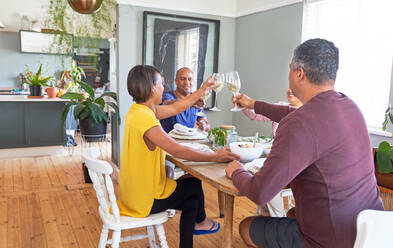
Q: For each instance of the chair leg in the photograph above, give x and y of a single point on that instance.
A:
(151, 236)
(104, 237)
(161, 235)
(116, 238)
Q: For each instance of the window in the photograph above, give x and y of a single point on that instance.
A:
(187, 52)
(363, 32)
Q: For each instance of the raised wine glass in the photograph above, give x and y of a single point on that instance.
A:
(219, 80)
(233, 84)
(204, 97)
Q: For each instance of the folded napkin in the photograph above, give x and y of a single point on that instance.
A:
(254, 165)
(181, 128)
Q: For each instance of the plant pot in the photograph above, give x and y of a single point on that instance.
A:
(383, 179)
(87, 129)
(35, 90)
(51, 92)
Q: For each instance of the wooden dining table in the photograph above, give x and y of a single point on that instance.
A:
(214, 174)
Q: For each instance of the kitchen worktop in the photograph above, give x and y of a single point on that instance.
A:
(21, 98)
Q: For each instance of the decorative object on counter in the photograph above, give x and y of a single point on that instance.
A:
(85, 6)
(218, 136)
(89, 109)
(36, 81)
(73, 77)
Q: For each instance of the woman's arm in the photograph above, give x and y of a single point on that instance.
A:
(255, 117)
(165, 111)
(158, 137)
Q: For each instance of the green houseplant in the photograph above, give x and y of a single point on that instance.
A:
(218, 136)
(87, 29)
(36, 81)
(89, 108)
(385, 153)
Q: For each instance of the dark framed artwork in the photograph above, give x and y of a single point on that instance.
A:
(171, 42)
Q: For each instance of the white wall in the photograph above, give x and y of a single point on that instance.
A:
(246, 7)
(213, 7)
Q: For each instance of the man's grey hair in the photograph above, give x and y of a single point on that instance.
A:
(318, 58)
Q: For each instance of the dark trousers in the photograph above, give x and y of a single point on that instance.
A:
(187, 197)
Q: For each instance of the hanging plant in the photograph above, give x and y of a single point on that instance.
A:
(87, 29)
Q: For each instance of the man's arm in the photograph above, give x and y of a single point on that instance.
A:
(274, 112)
(165, 111)
(293, 150)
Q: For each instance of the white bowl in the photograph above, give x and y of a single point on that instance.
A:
(247, 153)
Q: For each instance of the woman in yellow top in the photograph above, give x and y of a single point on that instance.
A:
(143, 185)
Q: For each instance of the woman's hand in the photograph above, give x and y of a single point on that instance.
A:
(225, 155)
(207, 85)
(243, 101)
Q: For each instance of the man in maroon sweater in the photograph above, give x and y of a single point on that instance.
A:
(322, 150)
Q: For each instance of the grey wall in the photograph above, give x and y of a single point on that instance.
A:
(130, 30)
(264, 46)
(12, 61)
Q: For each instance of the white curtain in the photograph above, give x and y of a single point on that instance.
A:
(363, 32)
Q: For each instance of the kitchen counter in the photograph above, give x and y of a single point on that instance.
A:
(21, 98)
(29, 122)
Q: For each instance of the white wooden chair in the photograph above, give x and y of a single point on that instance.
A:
(374, 229)
(99, 172)
(277, 209)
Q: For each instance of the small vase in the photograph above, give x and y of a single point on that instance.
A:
(35, 90)
(51, 92)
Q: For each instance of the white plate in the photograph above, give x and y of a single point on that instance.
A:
(191, 132)
(197, 146)
(197, 136)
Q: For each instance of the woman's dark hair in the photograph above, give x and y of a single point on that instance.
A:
(140, 82)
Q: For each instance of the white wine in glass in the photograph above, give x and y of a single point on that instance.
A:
(219, 84)
(233, 84)
(204, 97)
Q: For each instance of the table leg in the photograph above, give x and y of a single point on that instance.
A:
(228, 220)
(221, 203)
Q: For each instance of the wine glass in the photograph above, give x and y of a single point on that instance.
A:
(204, 97)
(233, 84)
(219, 84)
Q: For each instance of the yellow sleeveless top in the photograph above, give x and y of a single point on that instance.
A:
(142, 176)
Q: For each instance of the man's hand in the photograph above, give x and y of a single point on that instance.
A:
(243, 101)
(199, 104)
(203, 124)
(225, 155)
(232, 166)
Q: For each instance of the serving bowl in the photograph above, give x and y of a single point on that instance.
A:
(246, 151)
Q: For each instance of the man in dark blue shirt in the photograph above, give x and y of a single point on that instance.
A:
(184, 81)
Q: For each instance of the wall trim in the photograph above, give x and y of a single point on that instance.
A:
(175, 8)
(267, 7)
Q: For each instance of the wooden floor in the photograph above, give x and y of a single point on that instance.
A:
(44, 202)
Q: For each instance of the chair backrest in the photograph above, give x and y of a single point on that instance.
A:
(374, 229)
(99, 172)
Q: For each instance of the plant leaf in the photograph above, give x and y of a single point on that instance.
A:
(113, 95)
(65, 112)
(78, 110)
(84, 114)
(100, 102)
(88, 89)
(114, 106)
(72, 96)
(384, 158)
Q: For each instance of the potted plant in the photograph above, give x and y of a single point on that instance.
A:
(36, 81)
(384, 157)
(218, 136)
(89, 109)
(51, 91)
